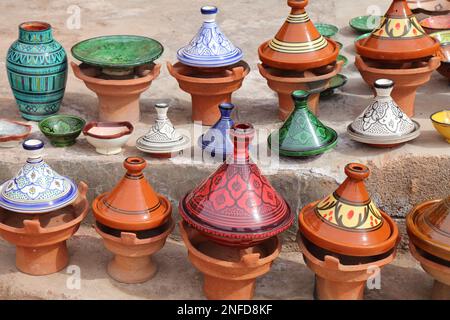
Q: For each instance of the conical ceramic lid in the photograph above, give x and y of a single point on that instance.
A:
(428, 226)
(383, 117)
(398, 37)
(236, 205)
(132, 205)
(347, 221)
(302, 134)
(298, 45)
(36, 188)
(210, 47)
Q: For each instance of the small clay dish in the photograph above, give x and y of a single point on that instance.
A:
(436, 23)
(363, 24)
(441, 122)
(343, 59)
(326, 30)
(337, 81)
(12, 133)
(62, 130)
(108, 137)
(339, 44)
(365, 35)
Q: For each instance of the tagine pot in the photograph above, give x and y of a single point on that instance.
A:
(236, 205)
(36, 66)
(229, 273)
(406, 80)
(285, 82)
(344, 235)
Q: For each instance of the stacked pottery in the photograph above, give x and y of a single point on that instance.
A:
(298, 58)
(210, 69)
(302, 134)
(400, 50)
(383, 123)
(39, 211)
(231, 223)
(163, 140)
(344, 238)
(118, 69)
(37, 71)
(134, 223)
(428, 226)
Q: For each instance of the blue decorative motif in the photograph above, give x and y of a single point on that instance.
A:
(210, 47)
(36, 188)
(37, 71)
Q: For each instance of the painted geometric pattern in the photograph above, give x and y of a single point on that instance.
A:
(35, 37)
(399, 28)
(210, 42)
(36, 48)
(37, 84)
(336, 211)
(36, 59)
(298, 18)
(298, 47)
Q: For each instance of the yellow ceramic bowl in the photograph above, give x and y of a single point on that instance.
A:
(441, 121)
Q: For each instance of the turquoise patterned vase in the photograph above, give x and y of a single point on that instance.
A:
(37, 71)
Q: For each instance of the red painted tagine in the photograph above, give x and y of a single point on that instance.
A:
(210, 69)
(298, 58)
(428, 226)
(344, 236)
(231, 222)
(134, 223)
(400, 50)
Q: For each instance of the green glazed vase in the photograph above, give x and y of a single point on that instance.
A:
(302, 134)
(37, 71)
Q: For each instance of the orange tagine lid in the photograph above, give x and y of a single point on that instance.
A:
(347, 222)
(428, 226)
(298, 45)
(132, 205)
(399, 37)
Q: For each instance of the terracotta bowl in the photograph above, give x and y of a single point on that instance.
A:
(12, 133)
(436, 23)
(441, 122)
(108, 137)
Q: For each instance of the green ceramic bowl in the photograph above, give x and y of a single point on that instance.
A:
(62, 130)
(337, 81)
(342, 58)
(365, 24)
(365, 35)
(340, 45)
(326, 30)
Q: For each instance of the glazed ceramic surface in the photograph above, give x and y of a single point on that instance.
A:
(326, 30)
(236, 205)
(444, 39)
(363, 36)
(302, 134)
(343, 59)
(163, 137)
(216, 141)
(210, 47)
(108, 137)
(365, 24)
(441, 122)
(12, 132)
(336, 82)
(62, 130)
(347, 221)
(36, 67)
(436, 23)
(36, 188)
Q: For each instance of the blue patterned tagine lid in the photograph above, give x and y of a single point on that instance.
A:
(36, 188)
(209, 48)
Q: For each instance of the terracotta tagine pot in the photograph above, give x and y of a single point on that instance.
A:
(298, 45)
(399, 37)
(118, 69)
(383, 123)
(39, 211)
(236, 205)
(229, 273)
(428, 226)
(343, 235)
(302, 134)
(407, 79)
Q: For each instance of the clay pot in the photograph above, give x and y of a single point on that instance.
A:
(208, 89)
(132, 262)
(118, 98)
(406, 80)
(229, 273)
(40, 239)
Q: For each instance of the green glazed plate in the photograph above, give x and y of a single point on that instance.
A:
(342, 58)
(365, 35)
(119, 51)
(337, 81)
(442, 36)
(326, 30)
(365, 23)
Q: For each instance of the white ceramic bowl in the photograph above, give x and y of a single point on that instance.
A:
(108, 137)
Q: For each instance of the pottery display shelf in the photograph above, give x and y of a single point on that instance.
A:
(12, 133)
(134, 223)
(210, 69)
(39, 211)
(118, 69)
(345, 234)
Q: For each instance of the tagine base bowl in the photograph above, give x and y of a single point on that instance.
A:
(208, 89)
(229, 273)
(284, 82)
(163, 152)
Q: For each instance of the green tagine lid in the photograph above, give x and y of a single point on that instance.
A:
(302, 134)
